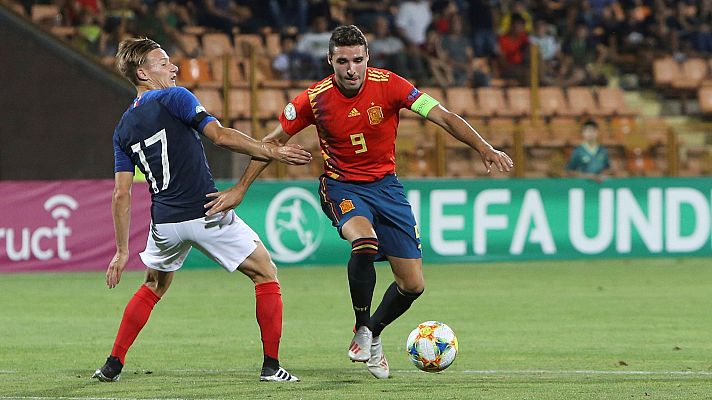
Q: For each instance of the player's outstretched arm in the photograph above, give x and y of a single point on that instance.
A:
(121, 212)
(464, 132)
(232, 197)
(237, 141)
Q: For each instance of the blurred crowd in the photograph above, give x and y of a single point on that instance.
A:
(433, 42)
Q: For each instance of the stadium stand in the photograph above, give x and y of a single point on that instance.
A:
(589, 76)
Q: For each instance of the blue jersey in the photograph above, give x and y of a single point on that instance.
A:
(159, 135)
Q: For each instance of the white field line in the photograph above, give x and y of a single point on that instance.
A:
(494, 372)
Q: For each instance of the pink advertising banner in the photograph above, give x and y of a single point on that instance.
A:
(66, 225)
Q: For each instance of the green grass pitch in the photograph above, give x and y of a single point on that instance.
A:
(600, 329)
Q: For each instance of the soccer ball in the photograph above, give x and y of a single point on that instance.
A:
(432, 346)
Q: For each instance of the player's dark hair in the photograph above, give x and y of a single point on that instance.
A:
(590, 123)
(347, 35)
(132, 54)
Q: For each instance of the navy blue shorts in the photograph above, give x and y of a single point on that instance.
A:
(384, 203)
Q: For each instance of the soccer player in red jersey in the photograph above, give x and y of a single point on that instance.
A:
(355, 111)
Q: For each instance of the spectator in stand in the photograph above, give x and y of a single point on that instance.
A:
(589, 159)
(702, 40)
(386, 50)
(227, 15)
(314, 44)
(545, 38)
(412, 21)
(460, 56)
(289, 13)
(440, 69)
(512, 10)
(365, 12)
(514, 52)
(290, 64)
(481, 20)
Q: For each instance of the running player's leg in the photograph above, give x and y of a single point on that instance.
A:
(362, 281)
(343, 204)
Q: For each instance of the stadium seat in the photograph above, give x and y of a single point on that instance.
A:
(693, 72)
(611, 102)
(211, 99)
(665, 71)
(244, 126)
(273, 44)
(45, 13)
(490, 101)
(193, 70)
(553, 102)
(235, 76)
(239, 104)
(499, 132)
(216, 45)
(270, 103)
(534, 132)
(461, 100)
(246, 41)
(704, 96)
(519, 100)
(582, 102)
(621, 128)
(189, 45)
(565, 131)
(656, 130)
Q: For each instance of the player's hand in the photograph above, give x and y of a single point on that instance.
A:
(224, 200)
(292, 154)
(116, 267)
(497, 158)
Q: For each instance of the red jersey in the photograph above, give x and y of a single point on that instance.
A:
(357, 135)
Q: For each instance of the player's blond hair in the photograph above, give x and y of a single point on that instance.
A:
(132, 54)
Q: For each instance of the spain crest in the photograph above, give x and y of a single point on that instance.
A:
(375, 115)
(346, 205)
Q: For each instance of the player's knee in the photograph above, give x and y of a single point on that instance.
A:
(261, 272)
(414, 288)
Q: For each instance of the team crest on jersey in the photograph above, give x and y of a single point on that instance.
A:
(290, 112)
(346, 205)
(375, 115)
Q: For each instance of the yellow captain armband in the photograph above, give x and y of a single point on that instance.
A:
(424, 104)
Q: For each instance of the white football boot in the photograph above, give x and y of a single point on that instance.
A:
(360, 347)
(377, 364)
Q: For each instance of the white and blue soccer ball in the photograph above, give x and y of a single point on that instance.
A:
(432, 346)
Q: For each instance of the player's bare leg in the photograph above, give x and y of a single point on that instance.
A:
(408, 285)
(134, 319)
(362, 281)
(268, 301)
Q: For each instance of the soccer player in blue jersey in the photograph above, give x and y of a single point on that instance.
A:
(159, 134)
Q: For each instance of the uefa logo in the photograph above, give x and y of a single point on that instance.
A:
(294, 225)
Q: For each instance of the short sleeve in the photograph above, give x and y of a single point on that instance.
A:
(122, 162)
(297, 115)
(403, 92)
(183, 104)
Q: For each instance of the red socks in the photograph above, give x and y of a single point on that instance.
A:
(135, 316)
(268, 299)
